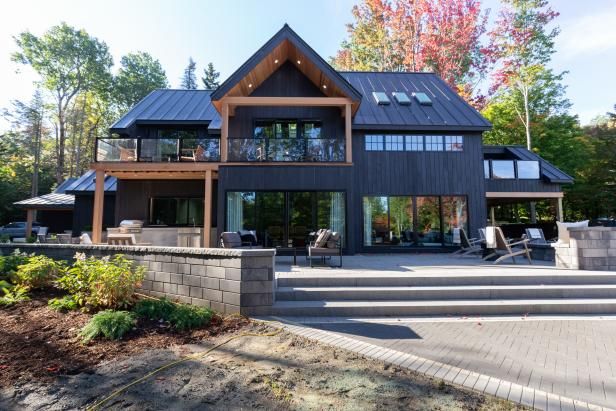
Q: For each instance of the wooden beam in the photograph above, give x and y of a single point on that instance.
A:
(559, 210)
(154, 175)
(198, 167)
(522, 194)
(286, 101)
(348, 133)
(97, 215)
(207, 216)
(29, 221)
(224, 132)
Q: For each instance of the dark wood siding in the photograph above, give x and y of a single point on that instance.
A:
(133, 196)
(82, 215)
(517, 185)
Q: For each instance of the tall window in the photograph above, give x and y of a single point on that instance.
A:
(455, 217)
(434, 143)
(428, 221)
(374, 143)
(454, 143)
(394, 143)
(414, 143)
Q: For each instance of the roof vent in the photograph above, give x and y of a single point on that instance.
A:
(423, 99)
(402, 98)
(381, 98)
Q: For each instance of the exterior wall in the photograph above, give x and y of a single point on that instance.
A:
(133, 196)
(520, 185)
(228, 281)
(82, 214)
(56, 220)
(592, 248)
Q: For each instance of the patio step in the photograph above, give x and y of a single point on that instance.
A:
(472, 292)
(444, 307)
(478, 277)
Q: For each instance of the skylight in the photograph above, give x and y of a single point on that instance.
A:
(381, 98)
(402, 98)
(423, 99)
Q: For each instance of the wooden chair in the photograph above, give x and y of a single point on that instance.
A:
(468, 245)
(509, 249)
(123, 239)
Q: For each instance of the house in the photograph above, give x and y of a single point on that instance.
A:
(287, 145)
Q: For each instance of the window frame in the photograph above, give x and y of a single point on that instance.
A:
(409, 143)
(430, 143)
(376, 140)
(454, 141)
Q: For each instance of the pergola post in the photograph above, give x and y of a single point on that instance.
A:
(559, 209)
(99, 199)
(492, 216)
(207, 216)
(533, 212)
(348, 133)
(29, 221)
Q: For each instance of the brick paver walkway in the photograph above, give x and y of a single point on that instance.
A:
(574, 358)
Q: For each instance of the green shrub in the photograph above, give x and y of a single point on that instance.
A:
(154, 309)
(66, 303)
(13, 295)
(9, 263)
(102, 282)
(38, 272)
(108, 324)
(182, 317)
(5, 238)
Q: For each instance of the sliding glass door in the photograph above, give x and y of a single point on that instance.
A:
(286, 218)
(410, 221)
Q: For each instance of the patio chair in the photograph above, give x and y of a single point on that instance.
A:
(41, 236)
(327, 244)
(468, 245)
(536, 236)
(232, 239)
(508, 249)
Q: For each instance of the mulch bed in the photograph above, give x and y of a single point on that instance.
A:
(39, 343)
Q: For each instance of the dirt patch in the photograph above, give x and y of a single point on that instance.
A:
(38, 343)
(280, 372)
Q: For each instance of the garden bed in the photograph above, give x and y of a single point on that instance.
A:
(40, 343)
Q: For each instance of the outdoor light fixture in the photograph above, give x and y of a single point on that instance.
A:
(299, 62)
(324, 85)
(276, 61)
(250, 85)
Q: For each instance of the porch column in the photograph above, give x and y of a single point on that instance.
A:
(97, 214)
(29, 220)
(492, 216)
(224, 132)
(533, 212)
(559, 209)
(348, 133)
(207, 216)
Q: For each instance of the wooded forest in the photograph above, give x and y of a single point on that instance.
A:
(502, 69)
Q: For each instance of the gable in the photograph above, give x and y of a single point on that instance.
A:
(287, 81)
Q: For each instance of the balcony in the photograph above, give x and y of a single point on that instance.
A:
(286, 150)
(157, 150)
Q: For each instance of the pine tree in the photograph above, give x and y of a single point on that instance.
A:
(189, 80)
(210, 77)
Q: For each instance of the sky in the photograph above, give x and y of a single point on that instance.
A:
(227, 32)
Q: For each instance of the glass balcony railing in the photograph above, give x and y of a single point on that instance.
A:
(158, 149)
(291, 149)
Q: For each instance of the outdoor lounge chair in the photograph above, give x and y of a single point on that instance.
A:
(468, 245)
(508, 249)
(41, 236)
(232, 239)
(327, 244)
(536, 236)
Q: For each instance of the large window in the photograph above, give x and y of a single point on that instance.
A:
(405, 221)
(176, 211)
(528, 169)
(503, 169)
(283, 219)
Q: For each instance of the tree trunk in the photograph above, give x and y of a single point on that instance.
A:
(527, 117)
(61, 144)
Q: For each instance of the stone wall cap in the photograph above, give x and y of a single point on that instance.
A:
(217, 252)
(591, 228)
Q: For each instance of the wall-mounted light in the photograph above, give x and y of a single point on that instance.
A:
(250, 85)
(276, 61)
(324, 85)
(299, 62)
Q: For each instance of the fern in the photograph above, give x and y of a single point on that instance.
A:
(109, 324)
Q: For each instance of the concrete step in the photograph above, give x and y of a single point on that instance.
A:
(423, 279)
(446, 292)
(396, 308)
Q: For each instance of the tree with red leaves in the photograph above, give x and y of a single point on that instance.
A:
(442, 36)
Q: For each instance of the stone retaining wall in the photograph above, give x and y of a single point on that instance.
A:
(228, 281)
(591, 248)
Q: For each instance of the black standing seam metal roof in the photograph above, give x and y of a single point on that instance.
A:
(286, 33)
(86, 184)
(549, 172)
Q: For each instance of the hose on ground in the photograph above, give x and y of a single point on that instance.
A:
(195, 356)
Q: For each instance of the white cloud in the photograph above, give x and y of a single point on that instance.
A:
(591, 34)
